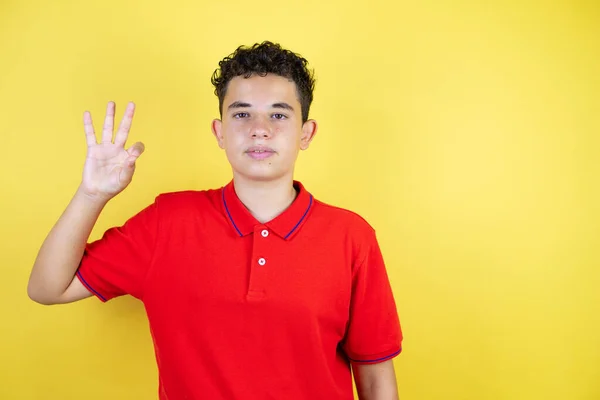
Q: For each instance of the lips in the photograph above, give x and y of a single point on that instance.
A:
(260, 152)
(260, 149)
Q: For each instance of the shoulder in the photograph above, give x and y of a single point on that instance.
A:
(348, 227)
(344, 219)
(187, 196)
(188, 200)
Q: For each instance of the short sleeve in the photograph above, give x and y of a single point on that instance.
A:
(374, 333)
(118, 263)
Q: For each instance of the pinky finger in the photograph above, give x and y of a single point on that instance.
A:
(90, 135)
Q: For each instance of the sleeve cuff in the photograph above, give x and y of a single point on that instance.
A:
(90, 288)
(375, 358)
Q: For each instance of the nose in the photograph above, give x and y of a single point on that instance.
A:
(260, 129)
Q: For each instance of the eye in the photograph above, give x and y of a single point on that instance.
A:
(279, 116)
(240, 115)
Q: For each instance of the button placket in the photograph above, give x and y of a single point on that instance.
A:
(259, 262)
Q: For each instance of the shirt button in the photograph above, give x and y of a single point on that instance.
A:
(262, 261)
(265, 233)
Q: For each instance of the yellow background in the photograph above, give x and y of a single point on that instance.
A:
(467, 133)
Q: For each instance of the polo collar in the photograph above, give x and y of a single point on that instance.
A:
(284, 225)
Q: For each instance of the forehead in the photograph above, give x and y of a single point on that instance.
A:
(261, 90)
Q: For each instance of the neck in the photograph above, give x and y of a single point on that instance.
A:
(265, 199)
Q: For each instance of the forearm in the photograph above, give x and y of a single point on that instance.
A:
(378, 392)
(376, 381)
(62, 250)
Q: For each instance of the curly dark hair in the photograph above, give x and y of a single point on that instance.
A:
(262, 59)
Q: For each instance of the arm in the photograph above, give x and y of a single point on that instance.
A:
(376, 381)
(52, 279)
(374, 336)
(108, 170)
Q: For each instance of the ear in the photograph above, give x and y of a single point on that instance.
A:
(216, 126)
(309, 130)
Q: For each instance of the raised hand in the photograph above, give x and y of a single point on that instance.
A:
(109, 167)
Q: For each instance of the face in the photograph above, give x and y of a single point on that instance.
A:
(261, 129)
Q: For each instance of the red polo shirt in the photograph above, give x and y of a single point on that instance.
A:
(244, 310)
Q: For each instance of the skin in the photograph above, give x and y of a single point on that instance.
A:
(376, 381)
(108, 169)
(263, 112)
(259, 113)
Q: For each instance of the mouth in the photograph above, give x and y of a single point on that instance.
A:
(259, 152)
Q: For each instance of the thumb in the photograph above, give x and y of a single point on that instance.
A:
(136, 150)
(126, 172)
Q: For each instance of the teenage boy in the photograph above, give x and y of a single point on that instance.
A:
(255, 290)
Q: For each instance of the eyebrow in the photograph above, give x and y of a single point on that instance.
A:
(284, 106)
(241, 104)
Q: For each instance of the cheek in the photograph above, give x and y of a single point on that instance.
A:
(235, 146)
(233, 136)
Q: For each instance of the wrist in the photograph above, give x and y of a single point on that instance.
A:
(92, 199)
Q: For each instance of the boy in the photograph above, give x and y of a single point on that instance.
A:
(253, 291)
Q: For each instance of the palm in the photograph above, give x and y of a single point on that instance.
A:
(109, 166)
(103, 167)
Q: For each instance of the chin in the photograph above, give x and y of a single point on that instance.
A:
(259, 174)
(261, 177)
(260, 171)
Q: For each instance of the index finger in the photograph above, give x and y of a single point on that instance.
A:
(125, 125)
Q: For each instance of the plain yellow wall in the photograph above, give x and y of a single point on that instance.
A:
(467, 133)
